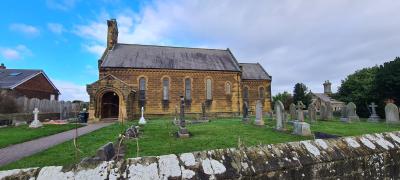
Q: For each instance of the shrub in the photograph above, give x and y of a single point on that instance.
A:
(8, 104)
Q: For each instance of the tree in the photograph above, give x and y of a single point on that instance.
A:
(8, 104)
(359, 88)
(301, 93)
(285, 97)
(387, 83)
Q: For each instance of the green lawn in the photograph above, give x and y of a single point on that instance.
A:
(158, 138)
(19, 134)
(64, 154)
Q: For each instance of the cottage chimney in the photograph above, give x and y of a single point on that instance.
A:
(2, 66)
(112, 33)
(327, 87)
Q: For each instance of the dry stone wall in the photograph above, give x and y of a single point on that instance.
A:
(363, 157)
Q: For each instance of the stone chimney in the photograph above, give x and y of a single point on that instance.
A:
(2, 66)
(112, 33)
(327, 87)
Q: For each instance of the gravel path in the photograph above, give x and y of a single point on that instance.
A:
(18, 151)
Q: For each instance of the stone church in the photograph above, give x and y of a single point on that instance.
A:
(132, 76)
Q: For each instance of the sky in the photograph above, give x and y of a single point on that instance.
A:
(307, 41)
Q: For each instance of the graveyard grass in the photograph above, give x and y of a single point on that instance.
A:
(158, 138)
(20, 134)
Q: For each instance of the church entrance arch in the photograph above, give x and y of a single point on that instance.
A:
(109, 105)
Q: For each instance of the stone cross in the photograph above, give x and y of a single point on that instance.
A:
(259, 114)
(35, 123)
(280, 116)
(142, 120)
(300, 114)
(292, 109)
(373, 117)
(183, 132)
(392, 113)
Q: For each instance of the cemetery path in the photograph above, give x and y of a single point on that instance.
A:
(18, 151)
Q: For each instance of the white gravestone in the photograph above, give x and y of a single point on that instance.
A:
(374, 117)
(280, 116)
(142, 120)
(35, 123)
(392, 113)
(259, 114)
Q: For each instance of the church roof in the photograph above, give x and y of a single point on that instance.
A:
(254, 71)
(167, 57)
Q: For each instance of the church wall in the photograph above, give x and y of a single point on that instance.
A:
(254, 86)
(222, 103)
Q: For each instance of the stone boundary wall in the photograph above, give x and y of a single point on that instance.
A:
(362, 157)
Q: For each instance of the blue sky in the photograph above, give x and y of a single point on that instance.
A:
(295, 40)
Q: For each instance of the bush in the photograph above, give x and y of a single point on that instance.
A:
(8, 104)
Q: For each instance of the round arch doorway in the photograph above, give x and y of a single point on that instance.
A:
(110, 105)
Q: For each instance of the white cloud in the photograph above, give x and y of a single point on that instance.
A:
(56, 28)
(71, 91)
(63, 5)
(25, 29)
(15, 53)
(294, 40)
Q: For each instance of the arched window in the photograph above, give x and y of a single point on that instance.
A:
(228, 88)
(188, 89)
(261, 92)
(142, 89)
(166, 89)
(246, 93)
(208, 89)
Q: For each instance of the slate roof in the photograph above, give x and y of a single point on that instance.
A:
(10, 81)
(324, 97)
(254, 71)
(167, 57)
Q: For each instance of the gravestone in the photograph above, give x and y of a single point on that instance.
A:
(35, 123)
(292, 110)
(391, 113)
(132, 132)
(351, 112)
(329, 111)
(312, 112)
(182, 132)
(322, 112)
(176, 121)
(343, 114)
(301, 128)
(142, 120)
(280, 116)
(300, 113)
(106, 152)
(373, 117)
(259, 114)
(245, 118)
(204, 116)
